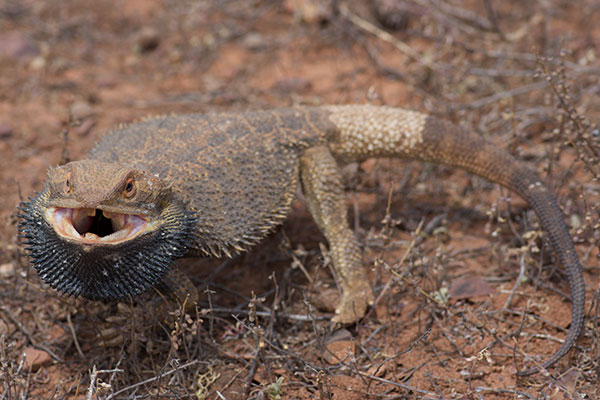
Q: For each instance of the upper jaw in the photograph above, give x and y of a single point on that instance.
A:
(145, 210)
(97, 225)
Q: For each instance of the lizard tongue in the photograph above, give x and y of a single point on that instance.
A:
(82, 219)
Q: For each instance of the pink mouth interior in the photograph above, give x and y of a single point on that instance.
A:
(96, 226)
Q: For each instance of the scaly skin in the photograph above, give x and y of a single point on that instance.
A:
(216, 184)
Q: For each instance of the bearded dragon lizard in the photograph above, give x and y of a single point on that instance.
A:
(110, 226)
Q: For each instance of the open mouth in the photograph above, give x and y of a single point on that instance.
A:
(91, 225)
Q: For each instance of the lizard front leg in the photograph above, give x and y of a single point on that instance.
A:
(171, 298)
(324, 195)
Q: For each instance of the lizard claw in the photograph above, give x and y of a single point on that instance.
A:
(110, 337)
(133, 323)
(353, 305)
(128, 321)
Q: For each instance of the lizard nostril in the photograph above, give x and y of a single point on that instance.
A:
(68, 183)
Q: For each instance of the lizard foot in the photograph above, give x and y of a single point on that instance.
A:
(128, 322)
(353, 305)
(135, 322)
(152, 311)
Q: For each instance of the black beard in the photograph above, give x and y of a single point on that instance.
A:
(104, 272)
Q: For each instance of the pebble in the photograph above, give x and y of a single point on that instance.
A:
(7, 269)
(254, 41)
(81, 110)
(6, 131)
(292, 84)
(18, 46)
(147, 39)
(35, 359)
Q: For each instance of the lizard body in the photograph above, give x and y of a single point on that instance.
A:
(110, 226)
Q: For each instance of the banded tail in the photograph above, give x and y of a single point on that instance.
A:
(369, 131)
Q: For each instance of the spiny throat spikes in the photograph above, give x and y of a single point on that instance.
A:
(86, 248)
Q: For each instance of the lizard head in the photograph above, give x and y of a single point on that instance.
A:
(104, 231)
(93, 202)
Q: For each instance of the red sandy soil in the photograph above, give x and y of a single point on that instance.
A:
(70, 70)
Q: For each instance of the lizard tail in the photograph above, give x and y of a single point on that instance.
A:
(367, 131)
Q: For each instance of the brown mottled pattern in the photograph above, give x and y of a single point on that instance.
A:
(240, 171)
(234, 176)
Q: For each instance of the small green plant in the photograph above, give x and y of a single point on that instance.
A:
(274, 389)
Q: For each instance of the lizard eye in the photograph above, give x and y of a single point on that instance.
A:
(130, 189)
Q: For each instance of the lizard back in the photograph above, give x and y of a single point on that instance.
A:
(238, 172)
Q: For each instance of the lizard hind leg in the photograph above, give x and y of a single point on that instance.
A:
(324, 195)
